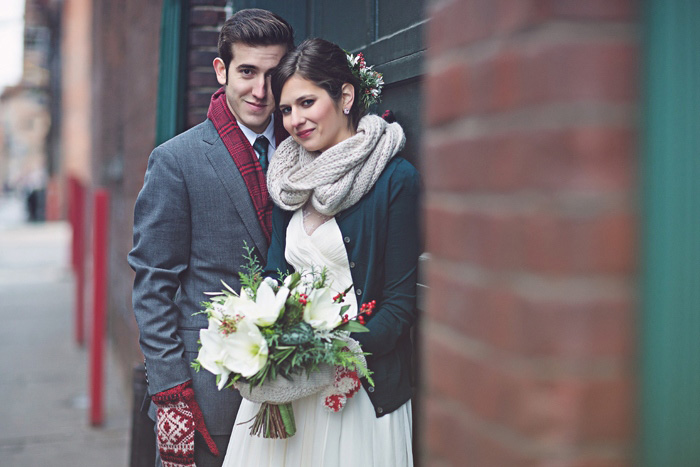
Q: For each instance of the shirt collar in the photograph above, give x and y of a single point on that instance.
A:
(269, 133)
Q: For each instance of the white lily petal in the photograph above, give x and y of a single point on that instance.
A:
(267, 306)
(223, 380)
(211, 354)
(245, 350)
(322, 312)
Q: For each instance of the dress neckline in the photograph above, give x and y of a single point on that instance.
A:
(300, 215)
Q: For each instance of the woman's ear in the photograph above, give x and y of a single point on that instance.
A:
(348, 95)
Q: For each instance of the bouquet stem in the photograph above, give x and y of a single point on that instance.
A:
(274, 421)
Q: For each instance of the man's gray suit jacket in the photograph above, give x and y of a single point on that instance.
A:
(191, 220)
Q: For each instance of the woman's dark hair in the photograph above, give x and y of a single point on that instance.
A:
(324, 64)
(253, 27)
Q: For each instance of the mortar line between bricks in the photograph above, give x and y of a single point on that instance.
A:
(541, 369)
(546, 116)
(207, 8)
(561, 204)
(216, 29)
(528, 447)
(575, 288)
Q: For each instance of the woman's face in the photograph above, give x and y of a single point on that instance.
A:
(314, 120)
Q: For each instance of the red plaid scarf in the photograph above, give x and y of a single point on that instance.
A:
(245, 158)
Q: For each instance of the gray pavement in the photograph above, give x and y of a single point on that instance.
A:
(44, 418)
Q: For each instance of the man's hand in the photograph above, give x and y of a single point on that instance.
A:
(178, 416)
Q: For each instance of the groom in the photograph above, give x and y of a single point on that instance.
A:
(203, 197)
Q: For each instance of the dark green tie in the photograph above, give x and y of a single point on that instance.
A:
(260, 147)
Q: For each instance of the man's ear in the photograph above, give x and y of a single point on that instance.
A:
(348, 95)
(220, 69)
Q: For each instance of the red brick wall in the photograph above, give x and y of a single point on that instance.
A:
(129, 127)
(206, 17)
(124, 90)
(124, 100)
(116, 110)
(530, 162)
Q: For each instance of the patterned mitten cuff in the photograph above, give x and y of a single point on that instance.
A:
(345, 385)
(177, 418)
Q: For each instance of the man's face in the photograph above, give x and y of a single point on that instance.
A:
(248, 91)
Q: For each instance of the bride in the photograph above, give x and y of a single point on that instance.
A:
(346, 201)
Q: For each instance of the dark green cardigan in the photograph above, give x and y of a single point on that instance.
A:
(381, 235)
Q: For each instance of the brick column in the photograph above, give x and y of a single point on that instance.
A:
(206, 17)
(530, 170)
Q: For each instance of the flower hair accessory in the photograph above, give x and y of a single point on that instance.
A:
(371, 82)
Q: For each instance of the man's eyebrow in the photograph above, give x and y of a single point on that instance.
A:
(245, 65)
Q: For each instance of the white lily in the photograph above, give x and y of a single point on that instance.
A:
(212, 353)
(245, 351)
(225, 306)
(322, 312)
(267, 306)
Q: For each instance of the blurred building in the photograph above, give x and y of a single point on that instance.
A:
(28, 112)
(25, 121)
(557, 140)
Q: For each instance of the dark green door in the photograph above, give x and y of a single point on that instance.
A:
(388, 32)
(670, 287)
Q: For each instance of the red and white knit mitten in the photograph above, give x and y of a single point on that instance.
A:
(177, 418)
(345, 385)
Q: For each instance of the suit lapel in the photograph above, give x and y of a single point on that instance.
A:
(231, 179)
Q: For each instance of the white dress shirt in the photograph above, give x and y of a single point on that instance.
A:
(269, 133)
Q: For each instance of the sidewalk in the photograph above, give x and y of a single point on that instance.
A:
(43, 373)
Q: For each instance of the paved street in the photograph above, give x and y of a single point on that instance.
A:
(43, 373)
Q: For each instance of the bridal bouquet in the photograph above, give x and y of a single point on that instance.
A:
(278, 342)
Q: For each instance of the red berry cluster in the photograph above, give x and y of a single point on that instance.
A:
(366, 309)
(362, 60)
(303, 299)
(339, 297)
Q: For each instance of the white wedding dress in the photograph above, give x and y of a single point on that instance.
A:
(353, 437)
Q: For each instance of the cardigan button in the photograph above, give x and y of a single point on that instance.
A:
(358, 292)
(346, 239)
(352, 264)
(380, 410)
(370, 389)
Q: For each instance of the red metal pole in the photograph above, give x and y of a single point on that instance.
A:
(101, 219)
(71, 217)
(78, 255)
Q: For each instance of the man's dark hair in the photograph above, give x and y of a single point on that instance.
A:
(253, 27)
(326, 65)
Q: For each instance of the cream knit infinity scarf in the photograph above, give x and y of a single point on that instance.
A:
(338, 177)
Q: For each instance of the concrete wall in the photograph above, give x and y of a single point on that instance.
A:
(530, 170)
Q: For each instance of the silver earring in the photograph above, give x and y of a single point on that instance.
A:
(346, 111)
